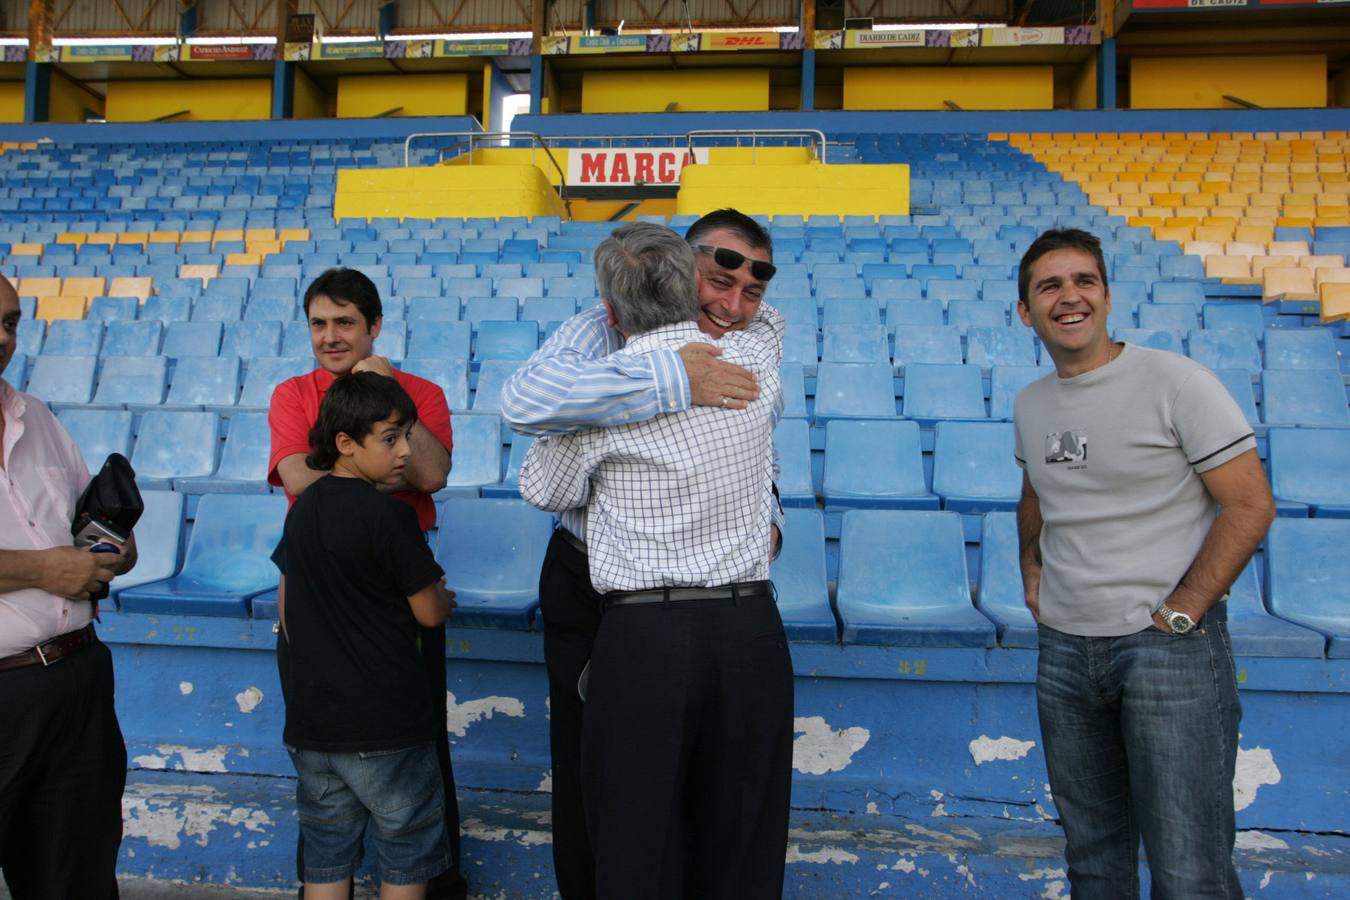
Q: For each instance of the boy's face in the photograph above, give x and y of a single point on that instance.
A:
(381, 456)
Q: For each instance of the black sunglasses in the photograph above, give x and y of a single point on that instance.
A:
(731, 261)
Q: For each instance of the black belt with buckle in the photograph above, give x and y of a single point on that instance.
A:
(572, 540)
(737, 591)
(48, 652)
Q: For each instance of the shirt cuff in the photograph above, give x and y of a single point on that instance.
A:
(671, 381)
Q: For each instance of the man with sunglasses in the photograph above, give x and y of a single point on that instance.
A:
(572, 383)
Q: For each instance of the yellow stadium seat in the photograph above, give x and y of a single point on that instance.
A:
(100, 239)
(164, 237)
(1136, 198)
(1265, 198)
(1167, 201)
(131, 286)
(1294, 221)
(1296, 249)
(204, 272)
(1288, 283)
(1341, 220)
(1229, 268)
(262, 248)
(1185, 219)
(39, 287)
(1322, 261)
(82, 287)
(1204, 246)
(227, 234)
(1179, 233)
(1267, 214)
(195, 237)
(1335, 300)
(259, 234)
(70, 238)
(1261, 263)
(25, 249)
(1201, 200)
(133, 237)
(1254, 234)
(49, 308)
(243, 259)
(1331, 275)
(1244, 248)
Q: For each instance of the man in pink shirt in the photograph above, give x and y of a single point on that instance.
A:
(62, 760)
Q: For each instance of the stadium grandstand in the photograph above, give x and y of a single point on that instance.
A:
(174, 174)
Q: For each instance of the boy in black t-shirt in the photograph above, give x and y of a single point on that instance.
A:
(357, 578)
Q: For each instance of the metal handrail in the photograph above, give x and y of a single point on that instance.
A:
(754, 134)
(473, 139)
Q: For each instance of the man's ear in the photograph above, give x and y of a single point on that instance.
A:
(376, 326)
(346, 446)
(1024, 313)
(610, 317)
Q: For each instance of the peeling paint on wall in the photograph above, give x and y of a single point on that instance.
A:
(459, 716)
(546, 783)
(168, 817)
(821, 749)
(477, 830)
(247, 700)
(986, 749)
(1255, 768)
(189, 758)
(835, 855)
(185, 688)
(1258, 840)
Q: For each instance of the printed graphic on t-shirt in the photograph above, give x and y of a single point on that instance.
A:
(1066, 447)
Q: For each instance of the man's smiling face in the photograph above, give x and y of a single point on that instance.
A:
(728, 298)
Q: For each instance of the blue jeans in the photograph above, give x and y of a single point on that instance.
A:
(1140, 737)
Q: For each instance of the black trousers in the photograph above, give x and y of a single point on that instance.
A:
(450, 884)
(571, 610)
(687, 750)
(63, 766)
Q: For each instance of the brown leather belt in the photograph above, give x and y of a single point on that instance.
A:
(46, 653)
(741, 590)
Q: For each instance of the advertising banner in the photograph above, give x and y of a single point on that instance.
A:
(608, 167)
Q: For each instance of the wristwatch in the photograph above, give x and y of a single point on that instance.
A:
(1179, 622)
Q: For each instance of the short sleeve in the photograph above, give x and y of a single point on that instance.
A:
(1208, 422)
(288, 425)
(402, 544)
(432, 410)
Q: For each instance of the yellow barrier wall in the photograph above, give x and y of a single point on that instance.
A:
(515, 156)
(1085, 86)
(759, 156)
(68, 101)
(362, 96)
(705, 90)
(11, 101)
(206, 100)
(970, 87)
(1201, 82)
(310, 100)
(445, 191)
(813, 189)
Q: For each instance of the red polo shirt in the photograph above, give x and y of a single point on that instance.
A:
(295, 409)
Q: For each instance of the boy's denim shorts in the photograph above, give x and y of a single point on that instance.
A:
(399, 791)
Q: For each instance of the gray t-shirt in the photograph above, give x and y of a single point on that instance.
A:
(1114, 455)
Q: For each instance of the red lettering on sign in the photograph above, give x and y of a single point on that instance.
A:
(620, 171)
(666, 168)
(644, 168)
(592, 167)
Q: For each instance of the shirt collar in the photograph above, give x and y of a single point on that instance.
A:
(12, 402)
(677, 334)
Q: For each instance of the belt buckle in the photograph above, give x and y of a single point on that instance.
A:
(42, 656)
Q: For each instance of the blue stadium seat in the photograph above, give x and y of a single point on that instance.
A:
(295, 339)
(218, 308)
(192, 339)
(1179, 317)
(939, 344)
(1308, 470)
(792, 441)
(228, 560)
(491, 550)
(794, 390)
(849, 312)
(1306, 397)
(265, 373)
(581, 287)
(450, 373)
(112, 309)
(1166, 292)
(133, 338)
(1255, 632)
(973, 467)
(1178, 268)
(1004, 385)
(967, 314)
(1245, 317)
(478, 454)
(506, 340)
(520, 288)
(1308, 577)
(885, 290)
(172, 445)
(915, 312)
(544, 310)
(440, 309)
(1155, 339)
(1001, 597)
(490, 309)
(875, 465)
(943, 392)
(492, 374)
(509, 486)
(32, 333)
(271, 309)
(434, 337)
(392, 340)
(132, 381)
(920, 597)
(1301, 348)
(1003, 345)
(799, 579)
(1225, 349)
(945, 290)
(855, 344)
(166, 308)
(1239, 385)
(158, 537)
(799, 346)
(243, 461)
(251, 339)
(73, 337)
(63, 379)
(204, 381)
(854, 390)
(98, 432)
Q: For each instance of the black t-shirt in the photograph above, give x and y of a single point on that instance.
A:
(353, 674)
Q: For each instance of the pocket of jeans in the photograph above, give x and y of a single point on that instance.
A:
(376, 754)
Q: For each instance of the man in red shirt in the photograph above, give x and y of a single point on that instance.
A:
(344, 313)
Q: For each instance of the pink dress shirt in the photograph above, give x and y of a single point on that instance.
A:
(42, 478)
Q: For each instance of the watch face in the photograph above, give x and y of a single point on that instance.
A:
(1181, 623)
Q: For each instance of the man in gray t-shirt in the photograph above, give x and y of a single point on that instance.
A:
(1142, 500)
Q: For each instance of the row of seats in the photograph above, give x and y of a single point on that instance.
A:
(491, 550)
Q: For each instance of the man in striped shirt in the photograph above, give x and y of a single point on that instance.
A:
(687, 731)
(576, 380)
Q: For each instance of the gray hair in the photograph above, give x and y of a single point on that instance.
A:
(646, 272)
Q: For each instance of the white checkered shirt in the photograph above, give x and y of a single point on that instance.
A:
(681, 500)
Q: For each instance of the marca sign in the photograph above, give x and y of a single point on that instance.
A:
(605, 167)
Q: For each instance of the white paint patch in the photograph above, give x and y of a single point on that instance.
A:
(1265, 879)
(193, 760)
(248, 699)
(872, 809)
(546, 783)
(964, 871)
(475, 828)
(1255, 768)
(185, 688)
(884, 886)
(1258, 840)
(986, 749)
(1041, 874)
(167, 817)
(1054, 890)
(149, 761)
(904, 865)
(459, 716)
(836, 855)
(820, 749)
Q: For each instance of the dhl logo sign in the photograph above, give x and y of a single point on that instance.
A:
(740, 40)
